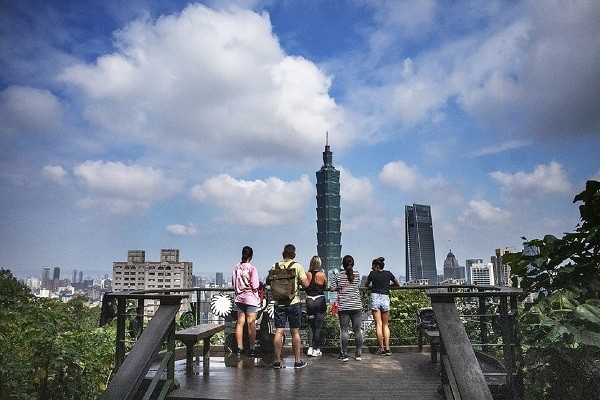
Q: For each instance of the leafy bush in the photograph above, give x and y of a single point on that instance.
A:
(50, 350)
(403, 314)
(561, 329)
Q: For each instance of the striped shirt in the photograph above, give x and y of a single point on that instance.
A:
(348, 294)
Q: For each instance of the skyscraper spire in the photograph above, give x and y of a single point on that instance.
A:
(327, 155)
(329, 235)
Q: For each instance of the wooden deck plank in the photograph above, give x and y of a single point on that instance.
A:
(409, 376)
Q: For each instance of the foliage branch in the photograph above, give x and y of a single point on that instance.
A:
(560, 278)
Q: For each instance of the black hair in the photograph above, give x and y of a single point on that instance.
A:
(348, 265)
(247, 254)
(379, 262)
(289, 251)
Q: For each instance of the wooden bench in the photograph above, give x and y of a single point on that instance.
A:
(434, 342)
(190, 337)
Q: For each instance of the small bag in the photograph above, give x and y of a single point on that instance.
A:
(334, 308)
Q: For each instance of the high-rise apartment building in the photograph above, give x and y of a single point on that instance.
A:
(420, 248)
(329, 235)
(46, 280)
(468, 264)
(482, 274)
(219, 280)
(501, 271)
(138, 274)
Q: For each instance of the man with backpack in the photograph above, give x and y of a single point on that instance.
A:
(284, 278)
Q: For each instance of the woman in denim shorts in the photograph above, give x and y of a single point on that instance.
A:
(380, 280)
(245, 283)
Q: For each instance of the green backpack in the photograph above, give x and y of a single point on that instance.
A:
(283, 283)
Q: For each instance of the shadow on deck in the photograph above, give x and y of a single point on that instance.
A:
(406, 375)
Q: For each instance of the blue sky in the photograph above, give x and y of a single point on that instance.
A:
(199, 126)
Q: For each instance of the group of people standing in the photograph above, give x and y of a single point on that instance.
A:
(345, 284)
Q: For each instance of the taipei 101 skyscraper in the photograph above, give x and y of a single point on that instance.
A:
(329, 235)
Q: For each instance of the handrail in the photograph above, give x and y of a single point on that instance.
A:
(462, 376)
(461, 370)
(132, 370)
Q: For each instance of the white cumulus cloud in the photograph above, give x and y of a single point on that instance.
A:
(26, 110)
(56, 174)
(545, 179)
(211, 82)
(183, 230)
(122, 188)
(256, 203)
(398, 175)
(485, 212)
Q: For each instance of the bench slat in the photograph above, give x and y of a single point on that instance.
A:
(190, 336)
(198, 331)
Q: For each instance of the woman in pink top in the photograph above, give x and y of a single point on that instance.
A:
(245, 283)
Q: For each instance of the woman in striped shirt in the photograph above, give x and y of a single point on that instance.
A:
(350, 307)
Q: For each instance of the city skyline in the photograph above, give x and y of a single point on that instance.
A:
(198, 126)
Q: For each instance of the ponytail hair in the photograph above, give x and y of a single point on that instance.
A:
(348, 265)
(247, 254)
(379, 262)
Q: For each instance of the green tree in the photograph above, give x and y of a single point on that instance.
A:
(403, 314)
(50, 349)
(561, 328)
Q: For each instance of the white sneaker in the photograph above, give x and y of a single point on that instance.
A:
(317, 353)
(310, 352)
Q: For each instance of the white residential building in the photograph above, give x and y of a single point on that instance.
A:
(482, 274)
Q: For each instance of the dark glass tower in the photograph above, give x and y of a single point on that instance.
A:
(420, 250)
(329, 236)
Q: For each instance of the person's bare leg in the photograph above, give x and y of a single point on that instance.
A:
(251, 323)
(296, 342)
(239, 329)
(278, 343)
(385, 316)
(378, 328)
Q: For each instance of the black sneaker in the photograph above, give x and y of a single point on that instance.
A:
(276, 364)
(343, 357)
(238, 352)
(300, 364)
(379, 352)
(388, 352)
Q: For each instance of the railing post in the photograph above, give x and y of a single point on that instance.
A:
(120, 337)
(507, 342)
(171, 349)
(483, 332)
(518, 389)
(139, 311)
(198, 311)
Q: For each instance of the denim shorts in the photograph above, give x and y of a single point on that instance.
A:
(380, 302)
(246, 309)
(291, 314)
